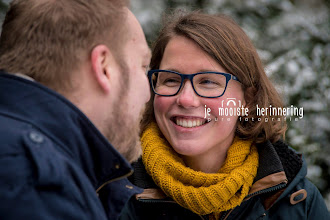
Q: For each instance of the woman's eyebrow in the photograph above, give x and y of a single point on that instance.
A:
(199, 71)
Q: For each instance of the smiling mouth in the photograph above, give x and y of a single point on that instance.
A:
(188, 122)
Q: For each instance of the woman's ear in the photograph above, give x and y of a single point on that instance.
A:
(102, 59)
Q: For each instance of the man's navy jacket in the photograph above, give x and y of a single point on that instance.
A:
(53, 159)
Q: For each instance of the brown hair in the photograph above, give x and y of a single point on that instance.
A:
(227, 43)
(48, 39)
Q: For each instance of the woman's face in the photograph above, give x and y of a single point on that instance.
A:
(174, 114)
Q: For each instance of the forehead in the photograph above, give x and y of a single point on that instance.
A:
(182, 45)
(186, 56)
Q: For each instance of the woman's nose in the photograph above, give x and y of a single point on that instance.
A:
(187, 97)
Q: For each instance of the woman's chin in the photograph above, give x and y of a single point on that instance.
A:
(188, 150)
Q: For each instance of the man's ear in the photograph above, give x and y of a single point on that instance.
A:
(101, 59)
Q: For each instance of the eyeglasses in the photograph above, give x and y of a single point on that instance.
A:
(205, 84)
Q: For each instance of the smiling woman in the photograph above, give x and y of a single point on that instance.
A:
(225, 166)
(199, 144)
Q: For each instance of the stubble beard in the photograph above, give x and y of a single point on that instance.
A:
(124, 132)
(121, 130)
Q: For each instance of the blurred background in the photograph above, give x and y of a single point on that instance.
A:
(293, 40)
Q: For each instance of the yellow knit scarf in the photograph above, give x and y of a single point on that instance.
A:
(202, 193)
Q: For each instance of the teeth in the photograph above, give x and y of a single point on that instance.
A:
(189, 123)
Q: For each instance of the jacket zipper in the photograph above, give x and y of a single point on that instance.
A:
(162, 201)
(156, 201)
(226, 214)
(274, 188)
(115, 179)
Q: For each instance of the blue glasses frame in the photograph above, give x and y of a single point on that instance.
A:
(190, 77)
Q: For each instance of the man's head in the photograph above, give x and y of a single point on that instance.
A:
(92, 52)
(48, 40)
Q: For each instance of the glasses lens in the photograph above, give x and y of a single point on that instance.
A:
(165, 83)
(210, 84)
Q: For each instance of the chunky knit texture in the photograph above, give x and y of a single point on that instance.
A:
(202, 193)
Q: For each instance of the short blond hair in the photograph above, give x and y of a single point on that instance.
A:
(48, 39)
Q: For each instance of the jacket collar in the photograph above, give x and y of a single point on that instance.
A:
(270, 171)
(65, 124)
(299, 176)
(278, 166)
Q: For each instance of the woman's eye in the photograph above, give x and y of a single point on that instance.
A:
(171, 81)
(207, 81)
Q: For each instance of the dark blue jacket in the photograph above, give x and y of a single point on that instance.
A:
(280, 191)
(53, 159)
